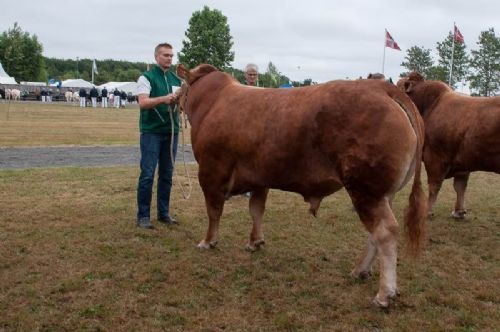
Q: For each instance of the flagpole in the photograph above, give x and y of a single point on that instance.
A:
(452, 54)
(383, 59)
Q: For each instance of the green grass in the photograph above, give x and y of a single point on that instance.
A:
(71, 258)
(37, 124)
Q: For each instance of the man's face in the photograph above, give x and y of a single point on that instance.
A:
(251, 77)
(164, 57)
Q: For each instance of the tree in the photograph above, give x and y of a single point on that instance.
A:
(208, 40)
(485, 64)
(460, 59)
(418, 59)
(272, 77)
(438, 73)
(21, 55)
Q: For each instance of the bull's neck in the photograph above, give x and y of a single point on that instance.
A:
(427, 94)
(202, 95)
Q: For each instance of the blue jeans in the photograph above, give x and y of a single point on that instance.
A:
(155, 149)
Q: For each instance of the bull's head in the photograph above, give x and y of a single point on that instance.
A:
(189, 77)
(376, 76)
(408, 83)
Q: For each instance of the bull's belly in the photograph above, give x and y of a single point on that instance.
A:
(308, 184)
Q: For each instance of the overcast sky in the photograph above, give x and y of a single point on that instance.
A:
(322, 40)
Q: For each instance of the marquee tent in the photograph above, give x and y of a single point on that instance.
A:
(5, 78)
(125, 86)
(76, 83)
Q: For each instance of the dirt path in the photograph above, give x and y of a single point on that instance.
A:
(80, 156)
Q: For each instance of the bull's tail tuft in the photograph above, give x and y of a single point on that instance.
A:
(416, 216)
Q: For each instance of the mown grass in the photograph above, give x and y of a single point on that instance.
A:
(37, 124)
(71, 258)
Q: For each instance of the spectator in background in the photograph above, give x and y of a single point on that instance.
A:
(93, 96)
(104, 97)
(83, 97)
(43, 94)
(116, 95)
(49, 95)
(123, 98)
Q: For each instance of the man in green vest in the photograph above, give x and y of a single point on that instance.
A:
(159, 127)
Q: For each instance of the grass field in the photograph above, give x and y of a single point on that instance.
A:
(71, 258)
(37, 124)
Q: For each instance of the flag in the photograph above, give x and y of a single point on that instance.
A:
(94, 68)
(389, 41)
(459, 38)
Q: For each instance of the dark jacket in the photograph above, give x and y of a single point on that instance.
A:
(93, 93)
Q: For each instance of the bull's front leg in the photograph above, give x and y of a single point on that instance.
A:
(460, 185)
(214, 202)
(257, 206)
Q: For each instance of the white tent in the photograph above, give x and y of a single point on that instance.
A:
(76, 83)
(5, 78)
(125, 86)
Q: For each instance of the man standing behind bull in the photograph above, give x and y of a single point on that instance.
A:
(251, 78)
(156, 127)
(251, 74)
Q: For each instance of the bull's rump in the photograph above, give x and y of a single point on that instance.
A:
(465, 132)
(310, 140)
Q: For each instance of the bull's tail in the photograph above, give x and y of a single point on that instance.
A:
(416, 212)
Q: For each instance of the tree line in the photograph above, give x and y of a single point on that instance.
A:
(480, 67)
(208, 40)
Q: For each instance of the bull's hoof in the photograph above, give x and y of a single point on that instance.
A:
(252, 247)
(363, 275)
(207, 245)
(379, 303)
(384, 301)
(458, 214)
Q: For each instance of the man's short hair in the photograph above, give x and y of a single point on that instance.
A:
(251, 67)
(167, 45)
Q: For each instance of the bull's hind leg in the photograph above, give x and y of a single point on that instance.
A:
(363, 268)
(378, 218)
(257, 206)
(460, 184)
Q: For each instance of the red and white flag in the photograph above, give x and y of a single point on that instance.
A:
(389, 41)
(459, 38)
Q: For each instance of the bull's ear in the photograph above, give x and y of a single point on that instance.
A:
(182, 72)
(408, 86)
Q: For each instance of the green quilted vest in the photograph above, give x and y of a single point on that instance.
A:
(157, 120)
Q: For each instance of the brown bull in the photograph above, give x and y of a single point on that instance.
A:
(362, 135)
(462, 135)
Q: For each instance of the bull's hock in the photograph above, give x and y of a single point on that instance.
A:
(78, 156)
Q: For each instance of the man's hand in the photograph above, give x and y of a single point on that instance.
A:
(169, 99)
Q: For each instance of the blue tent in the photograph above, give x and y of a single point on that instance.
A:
(286, 86)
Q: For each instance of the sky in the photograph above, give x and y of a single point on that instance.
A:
(321, 40)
